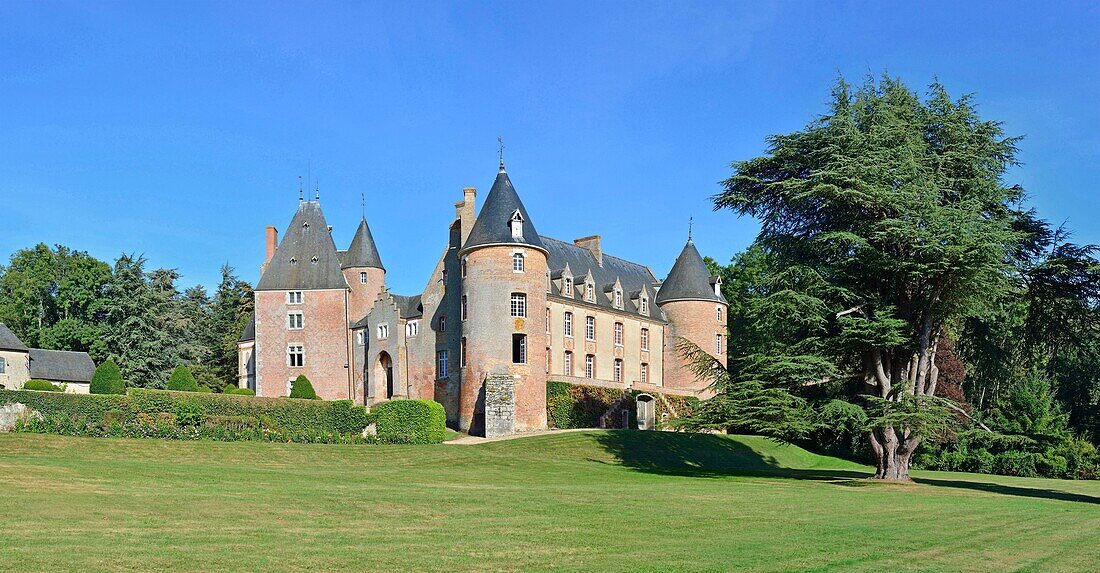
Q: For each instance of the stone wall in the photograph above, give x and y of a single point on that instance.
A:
(500, 406)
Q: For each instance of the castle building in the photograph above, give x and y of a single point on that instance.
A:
(502, 300)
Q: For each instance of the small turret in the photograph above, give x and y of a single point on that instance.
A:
(362, 267)
(696, 311)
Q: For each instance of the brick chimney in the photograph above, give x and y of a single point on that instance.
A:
(271, 240)
(592, 243)
(465, 211)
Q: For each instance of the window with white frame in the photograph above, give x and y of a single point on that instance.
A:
(718, 311)
(589, 366)
(645, 339)
(718, 344)
(589, 291)
(517, 262)
(519, 349)
(443, 323)
(618, 334)
(645, 305)
(462, 267)
(383, 331)
(441, 364)
(567, 290)
(295, 355)
(590, 328)
(547, 281)
(412, 328)
(462, 309)
(618, 370)
(294, 297)
(360, 337)
(567, 325)
(548, 360)
(618, 299)
(567, 364)
(294, 320)
(3, 365)
(519, 305)
(362, 278)
(548, 321)
(643, 373)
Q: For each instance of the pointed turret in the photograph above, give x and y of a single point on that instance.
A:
(306, 258)
(362, 253)
(503, 220)
(689, 279)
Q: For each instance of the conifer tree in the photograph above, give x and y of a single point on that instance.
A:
(107, 379)
(182, 380)
(301, 388)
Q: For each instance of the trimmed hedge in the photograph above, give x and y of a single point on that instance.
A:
(301, 388)
(165, 427)
(182, 380)
(410, 421)
(107, 379)
(88, 406)
(239, 391)
(41, 386)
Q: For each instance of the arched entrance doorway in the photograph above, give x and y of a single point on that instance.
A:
(646, 412)
(383, 374)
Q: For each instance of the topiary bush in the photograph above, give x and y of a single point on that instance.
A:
(301, 388)
(41, 386)
(107, 379)
(239, 391)
(410, 421)
(182, 380)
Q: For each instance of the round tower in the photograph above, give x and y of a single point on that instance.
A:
(503, 298)
(696, 310)
(362, 267)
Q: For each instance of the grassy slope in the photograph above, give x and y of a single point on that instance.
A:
(572, 501)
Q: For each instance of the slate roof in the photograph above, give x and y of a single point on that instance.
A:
(633, 277)
(407, 307)
(306, 258)
(61, 365)
(689, 279)
(362, 252)
(249, 329)
(9, 341)
(493, 227)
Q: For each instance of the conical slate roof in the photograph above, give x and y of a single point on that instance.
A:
(306, 258)
(362, 252)
(9, 341)
(689, 279)
(493, 224)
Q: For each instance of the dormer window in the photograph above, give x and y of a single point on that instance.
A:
(618, 299)
(644, 305)
(589, 291)
(293, 260)
(313, 260)
(517, 262)
(567, 290)
(718, 286)
(305, 225)
(516, 223)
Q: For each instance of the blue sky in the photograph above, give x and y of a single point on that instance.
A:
(179, 130)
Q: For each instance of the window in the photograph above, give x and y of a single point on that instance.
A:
(643, 374)
(519, 305)
(568, 290)
(383, 331)
(645, 306)
(412, 328)
(517, 262)
(618, 370)
(441, 364)
(547, 281)
(568, 325)
(462, 355)
(567, 364)
(718, 309)
(462, 267)
(443, 323)
(517, 225)
(589, 366)
(295, 356)
(362, 278)
(618, 299)
(3, 365)
(547, 321)
(360, 337)
(590, 328)
(462, 310)
(589, 292)
(294, 320)
(548, 360)
(718, 344)
(618, 334)
(294, 297)
(443, 277)
(519, 349)
(645, 339)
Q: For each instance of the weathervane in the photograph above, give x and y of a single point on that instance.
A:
(690, 223)
(300, 196)
(363, 204)
(500, 141)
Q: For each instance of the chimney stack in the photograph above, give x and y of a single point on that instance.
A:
(271, 241)
(465, 211)
(592, 243)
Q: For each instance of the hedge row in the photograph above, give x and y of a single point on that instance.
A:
(410, 421)
(165, 427)
(979, 451)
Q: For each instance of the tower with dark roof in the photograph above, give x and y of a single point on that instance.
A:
(692, 300)
(363, 270)
(504, 272)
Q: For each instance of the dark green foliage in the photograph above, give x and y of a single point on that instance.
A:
(411, 421)
(182, 380)
(114, 416)
(239, 391)
(107, 379)
(41, 385)
(984, 452)
(347, 417)
(222, 429)
(89, 406)
(577, 406)
(189, 413)
(301, 388)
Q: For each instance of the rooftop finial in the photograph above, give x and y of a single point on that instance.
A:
(500, 141)
(317, 191)
(363, 204)
(690, 223)
(300, 196)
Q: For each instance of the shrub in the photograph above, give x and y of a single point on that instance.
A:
(577, 406)
(41, 386)
(411, 421)
(89, 406)
(182, 380)
(238, 391)
(346, 417)
(190, 413)
(301, 388)
(114, 416)
(107, 379)
(1015, 464)
(290, 415)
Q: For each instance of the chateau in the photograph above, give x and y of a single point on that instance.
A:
(501, 300)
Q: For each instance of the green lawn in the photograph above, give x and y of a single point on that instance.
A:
(607, 501)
